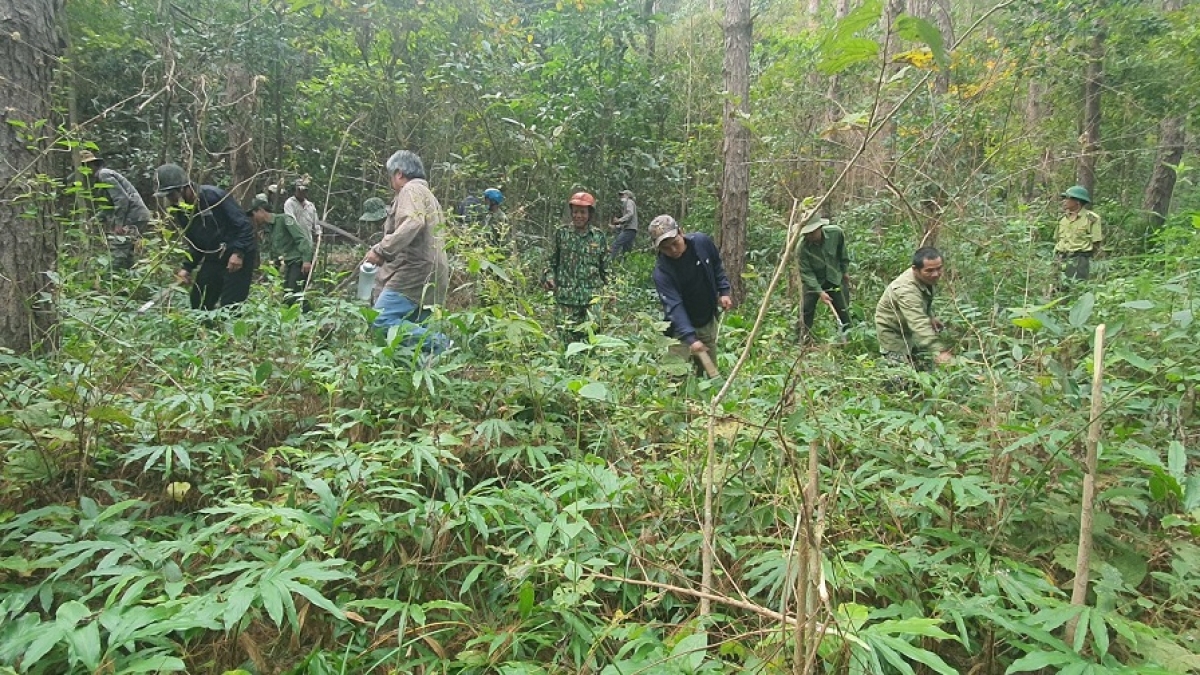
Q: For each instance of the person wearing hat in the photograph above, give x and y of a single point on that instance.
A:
(904, 322)
(577, 269)
(286, 239)
(374, 214)
(625, 225)
(495, 222)
(691, 285)
(824, 267)
(125, 215)
(413, 271)
(299, 207)
(1078, 237)
(218, 237)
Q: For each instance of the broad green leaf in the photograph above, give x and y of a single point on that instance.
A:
(1099, 633)
(597, 391)
(1028, 323)
(920, 655)
(263, 371)
(157, 664)
(847, 52)
(692, 649)
(1138, 304)
(1177, 461)
(921, 627)
(919, 30)
(1039, 660)
(1081, 311)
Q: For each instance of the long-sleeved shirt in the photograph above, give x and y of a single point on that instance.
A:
(904, 318)
(128, 209)
(216, 226)
(1079, 234)
(305, 213)
(712, 282)
(289, 240)
(578, 265)
(415, 263)
(825, 263)
(628, 219)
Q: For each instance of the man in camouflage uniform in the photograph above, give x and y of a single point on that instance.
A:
(904, 321)
(124, 216)
(286, 239)
(1078, 237)
(577, 266)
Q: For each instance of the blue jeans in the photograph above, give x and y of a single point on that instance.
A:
(395, 309)
(622, 244)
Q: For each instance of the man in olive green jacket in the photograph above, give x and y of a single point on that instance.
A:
(824, 274)
(1078, 236)
(904, 321)
(286, 239)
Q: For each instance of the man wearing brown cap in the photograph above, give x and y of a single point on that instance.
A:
(691, 284)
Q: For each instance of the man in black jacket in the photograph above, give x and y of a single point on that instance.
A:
(217, 235)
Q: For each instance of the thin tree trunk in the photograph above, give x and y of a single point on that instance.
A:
(1035, 112)
(813, 13)
(1162, 181)
(1092, 85)
(944, 20)
(648, 10)
(1087, 509)
(735, 182)
(30, 47)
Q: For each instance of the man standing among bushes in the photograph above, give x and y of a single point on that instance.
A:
(218, 236)
(304, 211)
(904, 321)
(124, 216)
(1077, 238)
(626, 226)
(289, 241)
(692, 286)
(824, 267)
(414, 273)
(577, 269)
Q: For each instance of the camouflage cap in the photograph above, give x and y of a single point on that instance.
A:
(373, 209)
(168, 178)
(87, 157)
(662, 228)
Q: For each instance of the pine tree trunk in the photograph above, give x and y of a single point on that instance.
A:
(735, 182)
(1092, 85)
(1162, 182)
(30, 45)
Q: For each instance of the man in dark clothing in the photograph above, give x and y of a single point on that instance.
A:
(218, 237)
(691, 284)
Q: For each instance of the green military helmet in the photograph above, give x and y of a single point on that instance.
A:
(168, 178)
(1078, 192)
(259, 202)
(814, 225)
(373, 209)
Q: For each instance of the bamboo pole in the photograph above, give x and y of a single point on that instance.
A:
(1084, 556)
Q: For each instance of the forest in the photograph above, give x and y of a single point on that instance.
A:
(274, 487)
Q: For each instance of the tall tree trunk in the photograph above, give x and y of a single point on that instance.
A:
(813, 12)
(735, 182)
(240, 95)
(1092, 84)
(1035, 112)
(1162, 182)
(648, 10)
(944, 20)
(30, 46)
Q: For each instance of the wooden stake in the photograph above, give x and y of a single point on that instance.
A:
(1084, 556)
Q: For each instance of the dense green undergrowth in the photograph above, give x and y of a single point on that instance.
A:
(277, 492)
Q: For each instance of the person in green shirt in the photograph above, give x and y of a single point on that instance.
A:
(577, 269)
(824, 274)
(904, 321)
(1078, 237)
(286, 240)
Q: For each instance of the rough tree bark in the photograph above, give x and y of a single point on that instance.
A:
(1171, 136)
(240, 97)
(30, 46)
(1090, 133)
(735, 181)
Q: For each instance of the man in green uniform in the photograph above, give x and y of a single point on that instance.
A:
(577, 266)
(288, 240)
(824, 267)
(904, 321)
(1077, 237)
